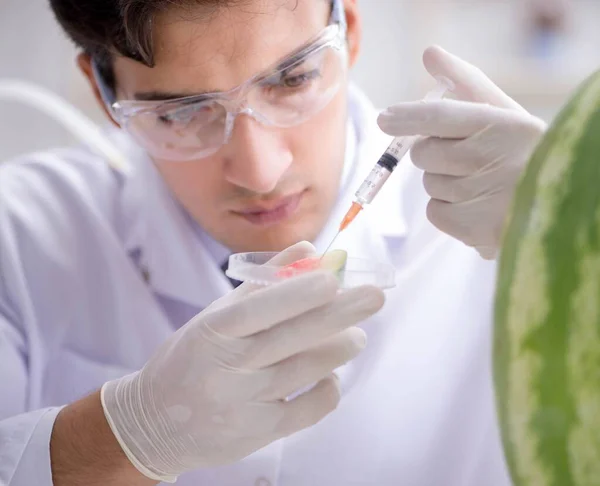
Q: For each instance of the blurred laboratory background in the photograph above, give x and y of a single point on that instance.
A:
(538, 51)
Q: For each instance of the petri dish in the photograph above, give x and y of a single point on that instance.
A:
(255, 267)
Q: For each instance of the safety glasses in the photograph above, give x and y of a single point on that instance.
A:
(289, 93)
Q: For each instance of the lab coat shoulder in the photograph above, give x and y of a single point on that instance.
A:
(50, 187)
(55, 206)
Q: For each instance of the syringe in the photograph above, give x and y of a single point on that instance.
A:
(387, 163)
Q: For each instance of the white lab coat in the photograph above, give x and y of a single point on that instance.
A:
(97, 268)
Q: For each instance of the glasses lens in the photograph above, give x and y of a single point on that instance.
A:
(178, 131)
(297, 93)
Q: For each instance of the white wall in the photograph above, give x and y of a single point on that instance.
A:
(486, 32)
(33, 48)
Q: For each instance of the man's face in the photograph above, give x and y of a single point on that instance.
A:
(268, 187)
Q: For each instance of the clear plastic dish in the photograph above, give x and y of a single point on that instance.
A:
(255, 267)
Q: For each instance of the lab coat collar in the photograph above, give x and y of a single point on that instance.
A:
(179, 264)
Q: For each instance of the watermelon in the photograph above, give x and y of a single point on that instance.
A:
(547, 307)
(334, 261)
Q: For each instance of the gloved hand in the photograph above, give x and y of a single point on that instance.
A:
(473, 151)
(215, 391)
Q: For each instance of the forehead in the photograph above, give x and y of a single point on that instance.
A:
(216, 48)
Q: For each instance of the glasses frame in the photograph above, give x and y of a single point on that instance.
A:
(234, 100)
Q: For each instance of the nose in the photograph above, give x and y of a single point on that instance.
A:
(256, 156)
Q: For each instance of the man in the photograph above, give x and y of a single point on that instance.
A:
(244, 134)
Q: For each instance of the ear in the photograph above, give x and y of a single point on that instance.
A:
(84, 62)
(354, 22)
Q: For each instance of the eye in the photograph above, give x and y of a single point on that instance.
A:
(165, 120)
(185, 115)
(298, 80)
(174, 117)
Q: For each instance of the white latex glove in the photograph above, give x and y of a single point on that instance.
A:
(473, 151)
(215, 391)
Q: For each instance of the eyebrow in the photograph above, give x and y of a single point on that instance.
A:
(166, 95)
(282, 65)
(289, 60)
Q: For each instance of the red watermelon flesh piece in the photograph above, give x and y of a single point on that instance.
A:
(334, 261)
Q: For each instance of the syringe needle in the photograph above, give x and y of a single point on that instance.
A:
(331, 244)
(348, 218)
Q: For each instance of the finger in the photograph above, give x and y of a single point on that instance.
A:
(268, 306)
(471, 84)
(312, 328)
(450, 219)
(487, 252)
(309, 408)
(301, 370)
(444, 157)
(451, 119)
(445, 188)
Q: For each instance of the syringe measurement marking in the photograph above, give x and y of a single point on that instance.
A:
(396, 148)
(373, 181)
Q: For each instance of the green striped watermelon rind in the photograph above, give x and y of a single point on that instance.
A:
(538, 447)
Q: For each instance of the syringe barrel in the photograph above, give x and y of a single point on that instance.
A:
(383, 169)
(399, 147)
(373, 183)
(396, 151)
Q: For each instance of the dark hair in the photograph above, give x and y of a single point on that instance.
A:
(104, 27)
(101, 27)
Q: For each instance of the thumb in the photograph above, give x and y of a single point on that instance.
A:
(471, 84)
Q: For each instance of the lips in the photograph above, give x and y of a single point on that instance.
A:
(271, 212)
